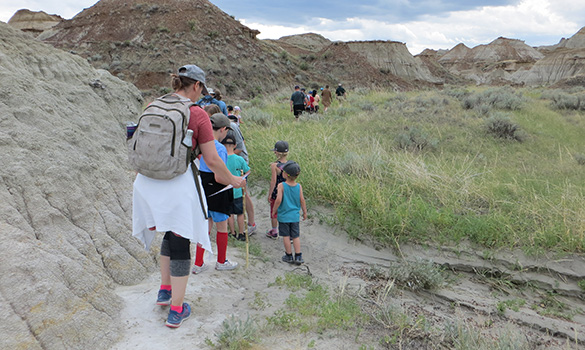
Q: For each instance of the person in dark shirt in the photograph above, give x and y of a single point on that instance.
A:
(297, 102)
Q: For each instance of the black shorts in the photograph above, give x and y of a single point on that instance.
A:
(221, 202)
(286, 229)
(238, 206)
(298, 109)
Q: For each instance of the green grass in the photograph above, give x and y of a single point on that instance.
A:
(469, 186)
(236, 334)
(312, 308)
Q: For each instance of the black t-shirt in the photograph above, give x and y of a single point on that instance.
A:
(298, 98)
(340, 91)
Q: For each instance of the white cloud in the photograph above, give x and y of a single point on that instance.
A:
(531, 20)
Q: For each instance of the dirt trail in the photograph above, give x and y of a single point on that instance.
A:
(471, 297)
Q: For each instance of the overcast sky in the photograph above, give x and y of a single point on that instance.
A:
(435, 24)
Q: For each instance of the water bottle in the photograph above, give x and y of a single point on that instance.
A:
(188, 140)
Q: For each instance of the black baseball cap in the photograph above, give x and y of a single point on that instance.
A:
(281, 146)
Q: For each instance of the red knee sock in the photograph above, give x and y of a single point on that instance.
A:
(222, 242)
(199, 252)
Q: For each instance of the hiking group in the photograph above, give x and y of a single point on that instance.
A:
(192, 166)
(309, 102)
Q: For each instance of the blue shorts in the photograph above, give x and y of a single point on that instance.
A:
(217, 216)
(289, 229)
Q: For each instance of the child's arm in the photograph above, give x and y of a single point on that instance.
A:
(303, 205)
(278, 200)
(272, 180)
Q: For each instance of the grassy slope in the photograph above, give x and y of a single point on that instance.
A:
(464, 184)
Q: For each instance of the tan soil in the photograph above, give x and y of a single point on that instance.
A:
(335, 261)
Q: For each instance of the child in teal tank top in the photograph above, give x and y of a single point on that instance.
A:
(288, 204)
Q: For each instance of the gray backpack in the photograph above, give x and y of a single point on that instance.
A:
(156, 149)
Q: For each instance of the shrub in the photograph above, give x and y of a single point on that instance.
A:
(416, 275)
(237, 334)
(192, 25)
(163, 29)
(257, 116)
(500, 98)
(413, 139)
(562, 100)
(165, 90)
(303, 66)
(580, 158)
(501, 126)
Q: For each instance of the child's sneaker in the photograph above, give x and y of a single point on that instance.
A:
(288, 258)
(272, 233)
(251, 229)
(175, 319)
(241, 237)
(299, 259)
(199, 269)
(164, 297)
(227, 265)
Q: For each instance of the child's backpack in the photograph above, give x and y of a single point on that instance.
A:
(156, 149)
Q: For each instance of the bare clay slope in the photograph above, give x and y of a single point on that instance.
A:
(65, 198)
(143, 42)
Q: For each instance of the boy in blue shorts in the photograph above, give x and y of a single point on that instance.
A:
(237, 166)
(220, 204)
(289, 202)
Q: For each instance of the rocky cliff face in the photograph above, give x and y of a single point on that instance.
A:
(493, 63)
(65, 198)
(562, 62)
(142, 43)
(393, 57)
(33, 22)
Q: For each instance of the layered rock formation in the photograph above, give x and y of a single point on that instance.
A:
(143, 42)
(393, 57)
(491, 63)
(33, 22)
(65, 198)
(563, 62)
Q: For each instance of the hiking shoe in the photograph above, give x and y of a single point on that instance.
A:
(227, 265)
(288, 258)
(199, 269)
(251, 229)
(164, 297)
(272, 234)
(241, 237)
(175, 319)
(299, 259)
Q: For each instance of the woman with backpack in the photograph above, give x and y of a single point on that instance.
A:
(174, 206)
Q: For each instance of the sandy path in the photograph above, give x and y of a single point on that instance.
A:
(216, 295)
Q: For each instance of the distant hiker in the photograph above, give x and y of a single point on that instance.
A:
(288, 204)
(208, 99)
(340, 91)
(237, 111)
(281, 152)
(307, 101)
(237, 166)
(216, 94)
(175, 207)
(297, 102)
(219, 203)
(241, 150)
(315, 101)
(326, 98)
